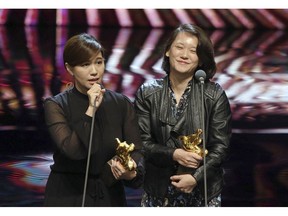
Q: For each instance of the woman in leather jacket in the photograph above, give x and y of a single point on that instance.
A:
(169, 108)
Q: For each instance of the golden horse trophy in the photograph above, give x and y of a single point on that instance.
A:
(191, 142)
(123, 151)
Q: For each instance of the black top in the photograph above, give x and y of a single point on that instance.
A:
(70, 127)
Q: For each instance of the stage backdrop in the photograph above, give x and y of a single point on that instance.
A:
(251, 48)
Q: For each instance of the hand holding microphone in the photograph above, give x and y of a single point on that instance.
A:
(95, 94)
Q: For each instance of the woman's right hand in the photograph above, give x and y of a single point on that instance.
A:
(95, 95)
(187, 159)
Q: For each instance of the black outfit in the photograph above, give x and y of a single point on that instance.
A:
(160, 129)
(70, 127)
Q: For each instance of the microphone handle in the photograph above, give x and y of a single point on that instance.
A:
(204, 141)
(89, 155)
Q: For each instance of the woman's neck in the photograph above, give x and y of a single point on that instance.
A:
(178, 85)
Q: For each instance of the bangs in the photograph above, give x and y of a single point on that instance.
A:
(85, 54)
(81, 49)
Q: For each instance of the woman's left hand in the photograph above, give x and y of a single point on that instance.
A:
(119, 172)
(184, 183)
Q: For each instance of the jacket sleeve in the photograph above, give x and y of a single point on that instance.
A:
(218, 135)
(159, 154)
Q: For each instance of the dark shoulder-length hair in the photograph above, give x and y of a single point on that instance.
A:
(80, 48)
(204, 50)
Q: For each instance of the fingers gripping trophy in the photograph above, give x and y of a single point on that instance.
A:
(191, 143)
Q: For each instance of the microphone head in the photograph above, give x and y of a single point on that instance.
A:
(200, 75)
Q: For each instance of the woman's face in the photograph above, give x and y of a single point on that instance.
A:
(182, 54)
(88, 73)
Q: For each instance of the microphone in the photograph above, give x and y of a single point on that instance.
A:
(101, 85)
(89, 150)
(200, 75)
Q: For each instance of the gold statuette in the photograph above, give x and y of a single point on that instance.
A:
(191, 142)
(123, 153)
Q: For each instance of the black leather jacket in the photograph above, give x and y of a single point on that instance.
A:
(159, 132)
